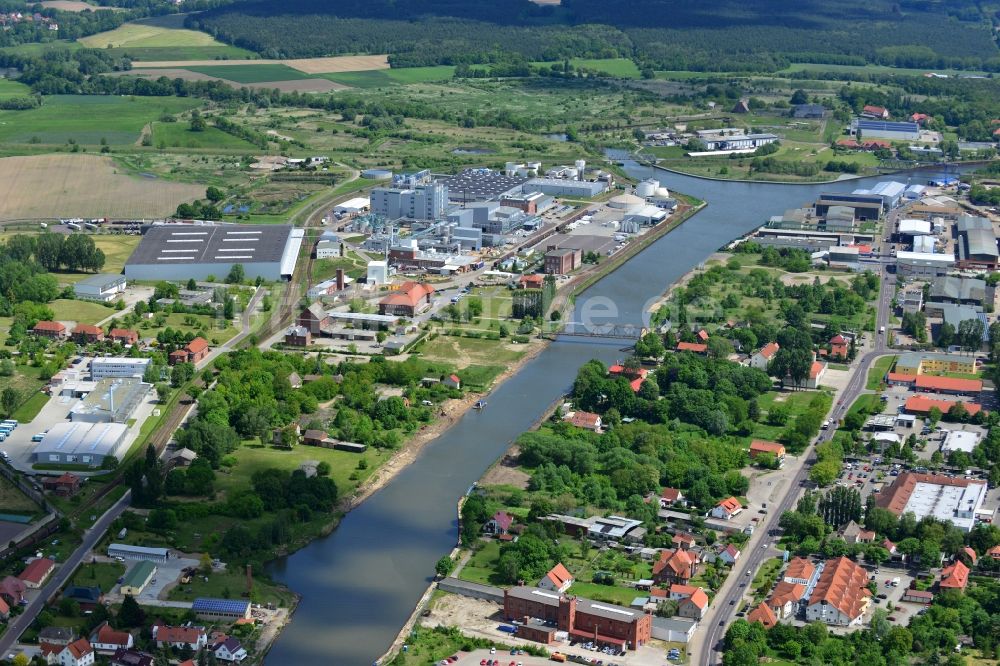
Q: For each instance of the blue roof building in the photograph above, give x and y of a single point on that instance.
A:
(221, 609)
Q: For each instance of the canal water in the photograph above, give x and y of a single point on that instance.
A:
(360, 584)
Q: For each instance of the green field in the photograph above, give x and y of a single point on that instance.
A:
(79, 311)
(877, 372)
(228, 584)
(262, 73)
(178, 135)
(104, 575)
(795, 402)
(87, 119)
(10, 88)
(161, 53)
(29, 409)
(13, 501)
(162, 31)
(621, 67)
(390, 77)
(869, 69)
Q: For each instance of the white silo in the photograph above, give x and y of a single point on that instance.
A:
(646, 188)
(581, 167)
(662, 193)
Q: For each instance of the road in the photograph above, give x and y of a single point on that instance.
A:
(62, 574)
(707, 649)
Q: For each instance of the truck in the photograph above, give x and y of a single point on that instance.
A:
(895, 581)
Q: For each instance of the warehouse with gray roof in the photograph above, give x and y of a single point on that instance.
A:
(181, 251)
(977, 243)
(113, 400)
(81, 443)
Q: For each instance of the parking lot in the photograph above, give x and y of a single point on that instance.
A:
(641, 657)
(167, 573)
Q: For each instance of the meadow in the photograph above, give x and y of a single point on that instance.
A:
(162, 38)
(179, 135)
(255, 73)
(392, 77)
(621, 67)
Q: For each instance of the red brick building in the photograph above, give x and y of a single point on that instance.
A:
(50, 329)
(192, 352)
(124, 336)
(85, 333)
(407, 301)
(562, 260)
(582, 619)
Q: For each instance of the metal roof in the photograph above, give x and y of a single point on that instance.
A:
(169, 244)
(101, 280)
(138, 550)
(139, 574)
(82, 438)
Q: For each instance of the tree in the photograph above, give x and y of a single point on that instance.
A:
(970, 334)
(131, 614)
(198, 123)
(799, 97)
(214, 194)
(9, 400)
(444, 566)
(236, 274)
(21, 659)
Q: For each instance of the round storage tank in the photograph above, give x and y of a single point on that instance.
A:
(646, 188)
(663, 193)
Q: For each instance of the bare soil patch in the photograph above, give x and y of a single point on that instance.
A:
(505, 472)
(308, 65)
(302, 85)
(51, 186)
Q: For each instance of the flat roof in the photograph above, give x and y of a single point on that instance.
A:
(101, 280)
(116, 397)
(960, 440)
(946, 498)
(139, 550)
(479, 184)
(170, 244)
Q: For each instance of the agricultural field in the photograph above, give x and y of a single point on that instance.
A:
(73, 6)
(10, 88)
(251, 73)
(162, 38)
(179, 135)
(70, 185)
(88, 119)
(392, 77)
(621, 67)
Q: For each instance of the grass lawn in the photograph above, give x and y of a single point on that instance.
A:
(178, 135)
(79, 311)
(390, 77)
(13, 501)
(480, 377)
(205, 325)
(10, 88)
(27, 383)
(253, 73)
(324, 269)
(228, 584)
(463, 352)
(795, 402)
(482, 565)
(878, 371)
(88, 118)
(29, 409)
(866, 401)
(251, 457)
(606, 593)
(621, 67)
(104, 575)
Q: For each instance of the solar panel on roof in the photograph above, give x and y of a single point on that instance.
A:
(219, 605)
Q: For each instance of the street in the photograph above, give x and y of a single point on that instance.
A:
(707, 642)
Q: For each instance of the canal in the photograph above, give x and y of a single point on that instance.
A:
(360, 584)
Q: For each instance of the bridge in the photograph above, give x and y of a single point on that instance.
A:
(577, 329)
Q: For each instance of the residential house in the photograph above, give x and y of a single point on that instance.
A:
(64, 485)
(86, 333)
(132, 658)
(763, 356)
(88, 597)
(452, 381)
(183, 457)
(729, 554)
(841, 595)
(675, 566)
(759, 446)
(994, 552)
(919, 118)
(876, 112)
(800, 570)
(4, 610)
(558, 579)
(77, 653)
(409, 299)
(727, 509)
(499, 524)
(585, 420)
(694, 606)
(635, 376)
(971, 556)
(683, 540)
(12, 590)
(955, 576)
(693, 347)
(314, 318)
(839, 347)
(670, 496)
(531, 281)
(784, 601)
(61, 636)
(229, 650)
(107, 640)
(192, 352)
(315, 438)
(298, 336)
(764, 615)
(50, 329)
(816, 372)
(680, 592)
(191, 637)
(123, 336)
(36, 572)
(853, 533)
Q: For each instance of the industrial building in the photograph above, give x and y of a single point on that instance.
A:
(129, 552)
(540, 614)
(865, 206)
(918, 363)
(417, 199)
(923, 264)
(959, 440)
(481, 185)
(138, 577)
(104, 287)
(951, 499)
(179, 252)
(81, 444)
(562, 260)
(891, 192)
(111, 401)
(913, 228)
(882, 129)
(221, 609)
(733, 138)
(109, 367)
(353, 206)
(329, 246)
(559, 187)
(951, 289)
(977, 243)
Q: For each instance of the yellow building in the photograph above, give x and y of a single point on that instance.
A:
(138, 578)
(916, 363)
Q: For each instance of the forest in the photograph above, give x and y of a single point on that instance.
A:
(765, 35)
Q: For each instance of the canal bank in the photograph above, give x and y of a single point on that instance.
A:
(360, 584)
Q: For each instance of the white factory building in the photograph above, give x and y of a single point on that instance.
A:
(104, 287)
(111, 401)
(118, 366)
(179, 252)
(81, 443)
(950, 499)
(959, 440)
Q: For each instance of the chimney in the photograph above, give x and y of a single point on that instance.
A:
(340, 279)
